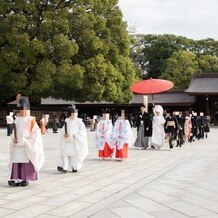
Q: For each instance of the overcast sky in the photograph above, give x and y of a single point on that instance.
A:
(195, 19)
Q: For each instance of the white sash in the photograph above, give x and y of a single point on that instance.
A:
(19, 155)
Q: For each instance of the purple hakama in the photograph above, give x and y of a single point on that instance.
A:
(24, 171)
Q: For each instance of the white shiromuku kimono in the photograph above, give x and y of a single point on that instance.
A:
(158, 133)
(73, 148)
(29, 147)
(103, 138)
(122, 134)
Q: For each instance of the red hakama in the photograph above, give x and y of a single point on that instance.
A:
(122, 153)
(107, 152)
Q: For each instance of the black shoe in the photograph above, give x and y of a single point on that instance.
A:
(24, 183)
(152, 147)
(74, 171)
(12, 183)
(60, 169)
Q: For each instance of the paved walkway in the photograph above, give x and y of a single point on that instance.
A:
(150, 183)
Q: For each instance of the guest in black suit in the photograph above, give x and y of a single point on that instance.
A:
(180, 136)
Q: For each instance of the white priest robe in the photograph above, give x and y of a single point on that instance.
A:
(158, 133)
(73, 148)
(29, 146)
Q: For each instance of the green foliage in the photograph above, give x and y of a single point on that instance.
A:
(208, 63)
(175, 58)
(180, 68)
(205, 47)
(70, 49)
(155, 50)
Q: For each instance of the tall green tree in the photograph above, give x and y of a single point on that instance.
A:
(152, 51)
(180, 68)
(208, 63)
(70, 49)
(205, 47)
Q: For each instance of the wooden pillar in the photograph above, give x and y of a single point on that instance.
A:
(145, 102)
(207, 106)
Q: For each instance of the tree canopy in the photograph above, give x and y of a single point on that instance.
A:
(69, 49)
(180, 67)
(158, 56)
(208, 63)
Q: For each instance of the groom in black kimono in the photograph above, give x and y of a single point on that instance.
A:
(144, 129)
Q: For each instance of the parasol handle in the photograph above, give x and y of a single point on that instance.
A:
(15, 131)
(65, 127)
(152, 100)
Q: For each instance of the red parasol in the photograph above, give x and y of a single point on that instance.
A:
(151, 86)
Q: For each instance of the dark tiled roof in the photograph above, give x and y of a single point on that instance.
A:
(170, 98)
(52, 101)
(202, 84)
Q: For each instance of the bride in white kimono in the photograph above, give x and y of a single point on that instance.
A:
(158, 133)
